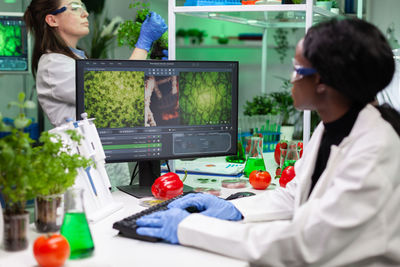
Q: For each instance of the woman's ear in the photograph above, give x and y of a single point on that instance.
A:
(320, 87)
(51, 20)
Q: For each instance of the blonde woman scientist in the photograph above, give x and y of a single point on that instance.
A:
(57, 26)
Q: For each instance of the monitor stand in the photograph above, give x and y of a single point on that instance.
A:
(149, 171)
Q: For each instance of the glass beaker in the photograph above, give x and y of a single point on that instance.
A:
(289, 155)
(75, 227)
(255, 160)
(240, 155)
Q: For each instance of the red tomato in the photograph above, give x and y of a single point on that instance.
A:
(51, 250)
(260, 179)
(278, 172)
(300, 146)
(277, 153)
(286, 176)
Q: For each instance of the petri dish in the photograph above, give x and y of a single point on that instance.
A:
(208, 190)
(149, 201)
(234, 183)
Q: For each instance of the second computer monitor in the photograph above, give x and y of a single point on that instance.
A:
(14, 44)
(151, 110)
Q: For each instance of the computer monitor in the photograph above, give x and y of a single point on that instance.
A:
(14, 44)
(149, 110)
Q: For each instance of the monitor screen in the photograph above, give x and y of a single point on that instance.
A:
(148, 110)
(14, 43)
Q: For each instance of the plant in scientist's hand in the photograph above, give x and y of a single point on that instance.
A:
(129, 31)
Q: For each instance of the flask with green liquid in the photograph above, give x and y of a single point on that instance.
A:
(255, 160)
(240, 156)
(75, 227)
(289, 155)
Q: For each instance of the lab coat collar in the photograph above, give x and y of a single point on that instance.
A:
(364, 122)
(78, 52)
(304, 167)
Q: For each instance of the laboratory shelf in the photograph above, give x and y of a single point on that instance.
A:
(263, 16)
(260, 16)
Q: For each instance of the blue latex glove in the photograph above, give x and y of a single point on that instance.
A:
(208, 205)
(165, 52)
(162, 224)
(152, 28)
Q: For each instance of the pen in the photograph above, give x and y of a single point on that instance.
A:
(87, 170)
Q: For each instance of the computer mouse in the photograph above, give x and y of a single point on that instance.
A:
(239, 195)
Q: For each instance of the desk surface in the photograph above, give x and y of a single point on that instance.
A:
(113, 250)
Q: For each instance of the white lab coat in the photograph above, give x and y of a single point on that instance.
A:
(352, 217)
(55, 85)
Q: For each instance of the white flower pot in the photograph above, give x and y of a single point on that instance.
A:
(287, 132)
(324, 4)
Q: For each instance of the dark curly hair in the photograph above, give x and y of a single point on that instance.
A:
(353, 57)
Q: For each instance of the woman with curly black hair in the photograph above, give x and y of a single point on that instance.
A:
(341, 209)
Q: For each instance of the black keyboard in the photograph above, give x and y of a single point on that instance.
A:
(127, 226)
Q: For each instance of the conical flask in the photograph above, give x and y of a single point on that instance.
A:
(289, 155)
(255, 160)
(240, 156)
(75, 227)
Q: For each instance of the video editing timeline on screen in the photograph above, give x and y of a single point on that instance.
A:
(161, 109)
(14, 45)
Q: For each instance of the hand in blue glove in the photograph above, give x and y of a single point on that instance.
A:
(208, 205)
(162, 224)
(165, 57)
(152, 28)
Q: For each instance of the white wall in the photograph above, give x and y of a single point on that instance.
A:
(383, 13)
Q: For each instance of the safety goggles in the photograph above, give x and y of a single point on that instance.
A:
(299, 72)
(75, 7)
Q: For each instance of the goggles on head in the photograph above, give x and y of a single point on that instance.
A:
(75, 7)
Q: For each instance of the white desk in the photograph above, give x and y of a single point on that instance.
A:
(116, 251)
(113, 250)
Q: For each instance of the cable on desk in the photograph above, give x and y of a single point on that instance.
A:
(134, 173)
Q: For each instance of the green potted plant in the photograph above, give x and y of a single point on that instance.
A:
(335, 7)
(280, 37)
(29, 170)
(16, 156)
(55, 169)
(129, 31)
(196, 36)
(261, 115)
(181, 35)
(260, 105)
(283, 102)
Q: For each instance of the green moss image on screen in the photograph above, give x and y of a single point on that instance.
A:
(10, 40)
(205, 97)
(115, 98)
